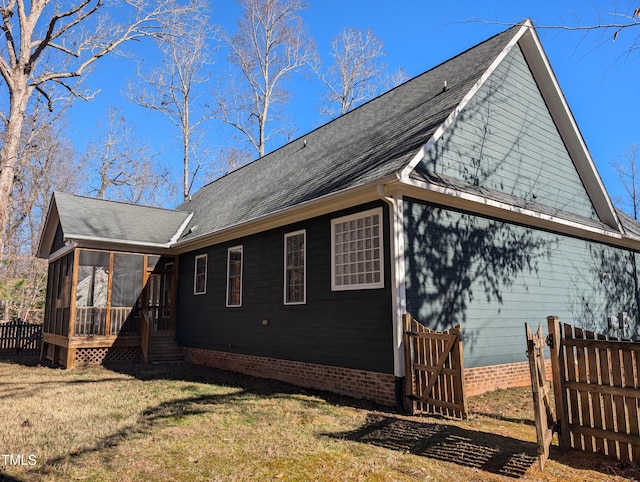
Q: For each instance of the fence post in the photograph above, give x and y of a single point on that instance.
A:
(559, 390)
(408, 364)
(19, 325)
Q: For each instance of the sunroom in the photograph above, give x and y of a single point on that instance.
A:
(111, 291)
(105, 306)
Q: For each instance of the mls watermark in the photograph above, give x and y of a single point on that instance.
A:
(13, 460)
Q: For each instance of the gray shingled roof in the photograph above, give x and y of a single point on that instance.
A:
(630, 225)
(371, 142)
(96, 218)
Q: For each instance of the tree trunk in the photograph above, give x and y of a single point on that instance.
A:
(9, 157)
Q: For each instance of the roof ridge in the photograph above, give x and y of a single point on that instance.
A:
(125, 203)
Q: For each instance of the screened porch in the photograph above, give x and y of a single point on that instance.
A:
(106, 306)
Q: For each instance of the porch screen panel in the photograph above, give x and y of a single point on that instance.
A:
(126, 291)
(64, 311)
(91, 293)
(59, 296)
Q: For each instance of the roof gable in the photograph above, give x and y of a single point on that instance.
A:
(84, 219)
(505, 140)
(545, 108)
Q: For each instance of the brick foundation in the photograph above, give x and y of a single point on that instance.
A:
(378, 387)
(486, 379)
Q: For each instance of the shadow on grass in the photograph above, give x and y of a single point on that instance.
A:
(596, 462)
(480, 450)
(240, 389)
(27, 360)
(502, 418)
(7, 478)
(447, 442)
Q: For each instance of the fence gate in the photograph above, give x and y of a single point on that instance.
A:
(597, 391)
(434, 369)
(541, 389)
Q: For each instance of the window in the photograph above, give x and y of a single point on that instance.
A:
(294, 268)
(200, 275)
(356, 251)
(234, 276)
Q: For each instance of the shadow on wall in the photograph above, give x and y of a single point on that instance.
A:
(616, 281)
(459, 257)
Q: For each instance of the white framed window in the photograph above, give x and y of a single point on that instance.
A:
(234, 276)
(200, 275)
(295, 268)
(357, 251)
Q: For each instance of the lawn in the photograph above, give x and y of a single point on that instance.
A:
(182, 422)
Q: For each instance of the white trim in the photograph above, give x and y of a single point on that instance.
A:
(326, 204)
(453, 198)
(344, 219)
(463, 103)
(124, 242)
(180, 230)
(195, 274)
(398, 276)
(229, 251)
(302, 232)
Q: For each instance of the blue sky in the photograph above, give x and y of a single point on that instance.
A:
(597, 75)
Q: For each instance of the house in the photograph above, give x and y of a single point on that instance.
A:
(466, 195)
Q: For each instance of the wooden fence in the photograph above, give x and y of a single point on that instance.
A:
(20, 337)
(434, 367)
(541, 391)
(596, 390)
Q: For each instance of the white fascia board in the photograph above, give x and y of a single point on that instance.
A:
(567, 126)
(463, 103)
(507, 212)
(316, 207)
(183, 226)
(82, 239)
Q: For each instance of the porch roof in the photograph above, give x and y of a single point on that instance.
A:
(83, 219)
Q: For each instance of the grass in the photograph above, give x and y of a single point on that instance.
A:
(182, 422)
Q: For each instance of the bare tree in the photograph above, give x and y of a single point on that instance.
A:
(172, 88)
(354, 75)
(51, 46)
(47, 164)
(609, 26)
(269, 45)
(628, 172)
(123, 167)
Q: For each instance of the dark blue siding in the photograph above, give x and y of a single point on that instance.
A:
(341, 328)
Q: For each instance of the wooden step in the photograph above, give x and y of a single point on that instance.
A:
(164, 349)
